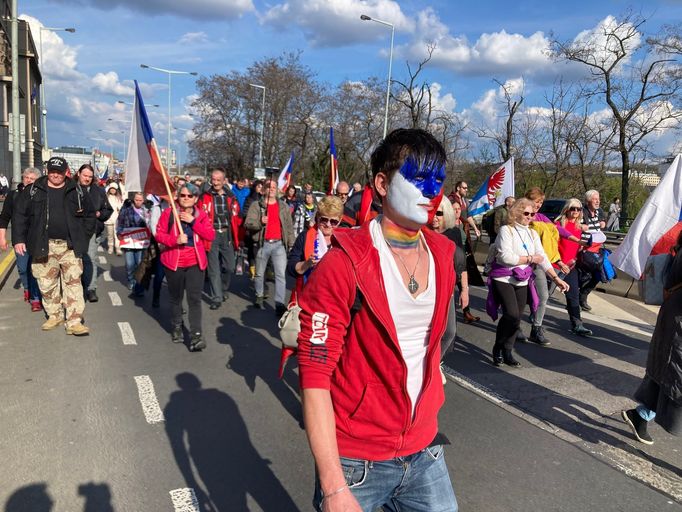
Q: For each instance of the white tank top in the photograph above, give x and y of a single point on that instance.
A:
(412, 316)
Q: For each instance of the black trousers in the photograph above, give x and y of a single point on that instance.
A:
(573, 296)
(513, 301)
(190, 280)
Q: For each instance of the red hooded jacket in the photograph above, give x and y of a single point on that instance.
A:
(363, 366)
(167, 232)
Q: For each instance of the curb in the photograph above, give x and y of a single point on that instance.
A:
(6, 266)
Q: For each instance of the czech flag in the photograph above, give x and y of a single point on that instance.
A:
(495, 188)
(656, 226)
(284, 179)
(144, 170)
(334, 165)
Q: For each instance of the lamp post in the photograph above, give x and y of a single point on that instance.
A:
(364, 17)
(43, 99)
(170, 73)
(262, 126)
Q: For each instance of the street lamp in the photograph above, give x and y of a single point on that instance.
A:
(262, 126)
(364, 17)
(169, 72)
(43, 100)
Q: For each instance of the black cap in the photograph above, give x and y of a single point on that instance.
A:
(57, 163)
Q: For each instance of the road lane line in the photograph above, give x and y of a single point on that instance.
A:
(107, 276)
(184, 500)
(115, 299)
(127, 334)
(102, 260)
(150, 405)
(100, 248)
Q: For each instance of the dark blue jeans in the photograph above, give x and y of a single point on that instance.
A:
(28, 282)
(133, 258)
(415, 483)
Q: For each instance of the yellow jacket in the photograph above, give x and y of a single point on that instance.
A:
(549, 236)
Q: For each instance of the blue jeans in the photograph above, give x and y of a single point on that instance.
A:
(133, 258)
(415, 483)
(278, 253)
(28, 282)
(645, 413)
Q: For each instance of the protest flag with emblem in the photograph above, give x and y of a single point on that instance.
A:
(284, 179)
(657, 225)
(334, 165)
(494, 189)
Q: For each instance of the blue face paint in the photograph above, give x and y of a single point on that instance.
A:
(428, 177)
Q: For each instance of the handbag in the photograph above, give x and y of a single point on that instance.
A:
(290, 325)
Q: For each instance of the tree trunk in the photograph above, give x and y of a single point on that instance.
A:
(625, 185)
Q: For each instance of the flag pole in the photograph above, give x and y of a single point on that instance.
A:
(166, 183)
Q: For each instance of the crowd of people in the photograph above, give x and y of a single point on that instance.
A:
(359, 354)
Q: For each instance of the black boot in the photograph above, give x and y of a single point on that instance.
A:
(537, 335)
(508, 359)
(497, 355)
(155, 299)
(583, 303)
(638, 425)
(197, 344)
(578, 328)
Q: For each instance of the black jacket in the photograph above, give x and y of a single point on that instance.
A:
(31, 217)
(97, 203)
(8, 207)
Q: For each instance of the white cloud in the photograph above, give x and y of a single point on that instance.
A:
(337, 23)
(108, 83)
(488, 109)
(602, 42)
(58, 60)
(496, 53)
(194, 38)
(194, 9)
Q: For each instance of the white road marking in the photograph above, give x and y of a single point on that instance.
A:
(150, 405)
(100, 248)
(102, 260)
(127, 334)
(115, 299)
(184, 500)
(107, 276)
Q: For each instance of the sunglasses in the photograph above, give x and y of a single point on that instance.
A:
(439, 213)
(186, 196)
(529, 214)
(575, 208)
(327, 220)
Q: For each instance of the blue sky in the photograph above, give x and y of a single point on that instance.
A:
(87, 72)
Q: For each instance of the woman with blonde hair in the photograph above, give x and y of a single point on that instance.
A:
(570, 219)
(512, 277)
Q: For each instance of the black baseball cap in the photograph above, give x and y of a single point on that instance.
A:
(57, 163)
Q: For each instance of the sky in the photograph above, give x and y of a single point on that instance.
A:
(86, 73)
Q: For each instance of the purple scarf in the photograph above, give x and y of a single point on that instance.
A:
(520, 274)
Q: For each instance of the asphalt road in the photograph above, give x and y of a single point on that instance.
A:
(125, 420)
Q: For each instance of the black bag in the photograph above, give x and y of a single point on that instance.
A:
(590, 262)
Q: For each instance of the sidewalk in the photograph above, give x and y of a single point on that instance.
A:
(577, 387)
(7, 264)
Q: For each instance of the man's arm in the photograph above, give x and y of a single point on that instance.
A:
(473, 225)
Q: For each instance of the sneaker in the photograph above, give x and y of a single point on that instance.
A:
(77, 330)
(110, 251)
(92, 296)
(36, 306)
(27, 296)
(638, 425)
(581, 330)
(177, 335)
(51, 323)
(259, 302)
(537, 335)
(214, 305)
(197, 344)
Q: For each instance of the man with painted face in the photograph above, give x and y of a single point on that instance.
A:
(369, 373)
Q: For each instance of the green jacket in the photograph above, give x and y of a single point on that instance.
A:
(257, 229)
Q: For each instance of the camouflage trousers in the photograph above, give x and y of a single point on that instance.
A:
(59, 280)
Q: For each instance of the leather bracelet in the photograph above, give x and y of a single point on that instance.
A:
(337, 491)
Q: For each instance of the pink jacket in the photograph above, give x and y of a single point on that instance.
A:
(167, 232)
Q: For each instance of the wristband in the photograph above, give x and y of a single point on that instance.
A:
(337, 491)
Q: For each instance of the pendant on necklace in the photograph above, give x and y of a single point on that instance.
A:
(413, 285)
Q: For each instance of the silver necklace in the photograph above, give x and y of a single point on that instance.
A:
(412, 285)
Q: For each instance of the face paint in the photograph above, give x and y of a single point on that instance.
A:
(415, 185)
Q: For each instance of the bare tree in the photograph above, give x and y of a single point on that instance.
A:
(638, 89)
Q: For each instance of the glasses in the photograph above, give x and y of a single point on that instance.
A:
(184, 196)
(529, 214)
(332, 222)
(439, 213)
(575, 208)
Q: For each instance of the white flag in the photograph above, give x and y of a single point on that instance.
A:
(661, 213)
